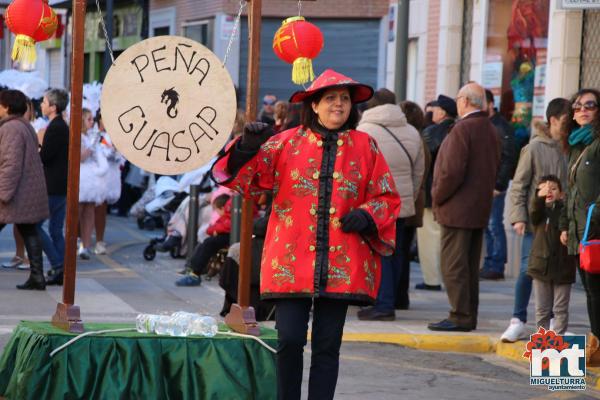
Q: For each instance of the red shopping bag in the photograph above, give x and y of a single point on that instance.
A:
(589, 251)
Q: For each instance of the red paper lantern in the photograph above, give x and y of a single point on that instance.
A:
(32, 21)
(297, 42)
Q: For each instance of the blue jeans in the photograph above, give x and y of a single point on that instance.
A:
(390, 274)
(54, 245)
(523, 285)
(495, 237)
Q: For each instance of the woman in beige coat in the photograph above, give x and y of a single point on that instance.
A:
(23, 198)
(402, 148)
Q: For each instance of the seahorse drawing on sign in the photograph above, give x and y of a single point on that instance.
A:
(170, 97)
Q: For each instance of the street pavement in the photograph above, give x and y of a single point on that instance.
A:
(117, 286)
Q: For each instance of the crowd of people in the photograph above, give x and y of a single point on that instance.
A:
(347, 181)
(40, 184)
(454, 166)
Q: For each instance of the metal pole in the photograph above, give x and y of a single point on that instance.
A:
(401, 50)
(67, 314)
(192, 228)
(109, 36)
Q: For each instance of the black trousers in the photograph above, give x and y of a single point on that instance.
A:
(291, 318)
(26, 230)
(591, 284)
(205, 250)
(402, 300)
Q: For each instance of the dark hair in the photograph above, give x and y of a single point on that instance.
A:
(310, 119)
(380, 97)
(414, 114)
(58, 98)
(221, 200)
(557, 108)
(596, 122)
(489, 96)
(552, 178)
(15, 101)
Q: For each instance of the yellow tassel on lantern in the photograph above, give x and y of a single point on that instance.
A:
(302, 71)
(24, 50)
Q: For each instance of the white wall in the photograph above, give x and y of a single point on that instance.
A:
(564, 53)
(478, 39)
(450, 45)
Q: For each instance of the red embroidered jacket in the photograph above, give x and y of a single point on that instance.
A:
(315, 182)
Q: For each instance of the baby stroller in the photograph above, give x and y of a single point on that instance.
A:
(161, 208)
(165, 205)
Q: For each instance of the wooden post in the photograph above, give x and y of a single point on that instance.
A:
(67, 314)
(242, 318)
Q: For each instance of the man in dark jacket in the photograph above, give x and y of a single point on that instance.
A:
(55, 157)
(429, 235)
(463, 186)
(495, 236)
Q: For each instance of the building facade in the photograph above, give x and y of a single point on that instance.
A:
(527, 52)
(352, 29)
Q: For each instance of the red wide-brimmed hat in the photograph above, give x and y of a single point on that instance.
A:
(331, 79)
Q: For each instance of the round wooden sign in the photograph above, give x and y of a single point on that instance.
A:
(168, 104)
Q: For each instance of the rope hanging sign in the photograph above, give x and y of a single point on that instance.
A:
(168, 104)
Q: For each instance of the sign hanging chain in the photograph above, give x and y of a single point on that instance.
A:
(299, 8)
(108, 45)
(243, 4)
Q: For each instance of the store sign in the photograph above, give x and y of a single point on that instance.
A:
(579, 4)
(168, 104)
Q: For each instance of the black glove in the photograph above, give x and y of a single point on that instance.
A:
(255, 134)
(356, 221)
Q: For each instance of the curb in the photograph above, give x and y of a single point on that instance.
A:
(454, 343)
(460, 344)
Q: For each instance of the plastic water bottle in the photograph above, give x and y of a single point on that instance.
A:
(204, 326)
(163, 325)
(146, 323)
(180, 323)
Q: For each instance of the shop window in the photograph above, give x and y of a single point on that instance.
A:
(515, 62)
(130, 24)
(161, 31)
(200, 32)
(116, 27)
(590, 52)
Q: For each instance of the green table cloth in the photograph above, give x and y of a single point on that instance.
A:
(131, 365)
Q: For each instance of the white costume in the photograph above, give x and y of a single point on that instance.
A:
(91, 170)
(112, 179)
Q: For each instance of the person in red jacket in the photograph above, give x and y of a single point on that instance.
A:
(334, 215)
(218, 238)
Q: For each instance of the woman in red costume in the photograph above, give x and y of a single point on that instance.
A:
(334, 213)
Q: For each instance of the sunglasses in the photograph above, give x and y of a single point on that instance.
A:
(588, 105)
(268, 103)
